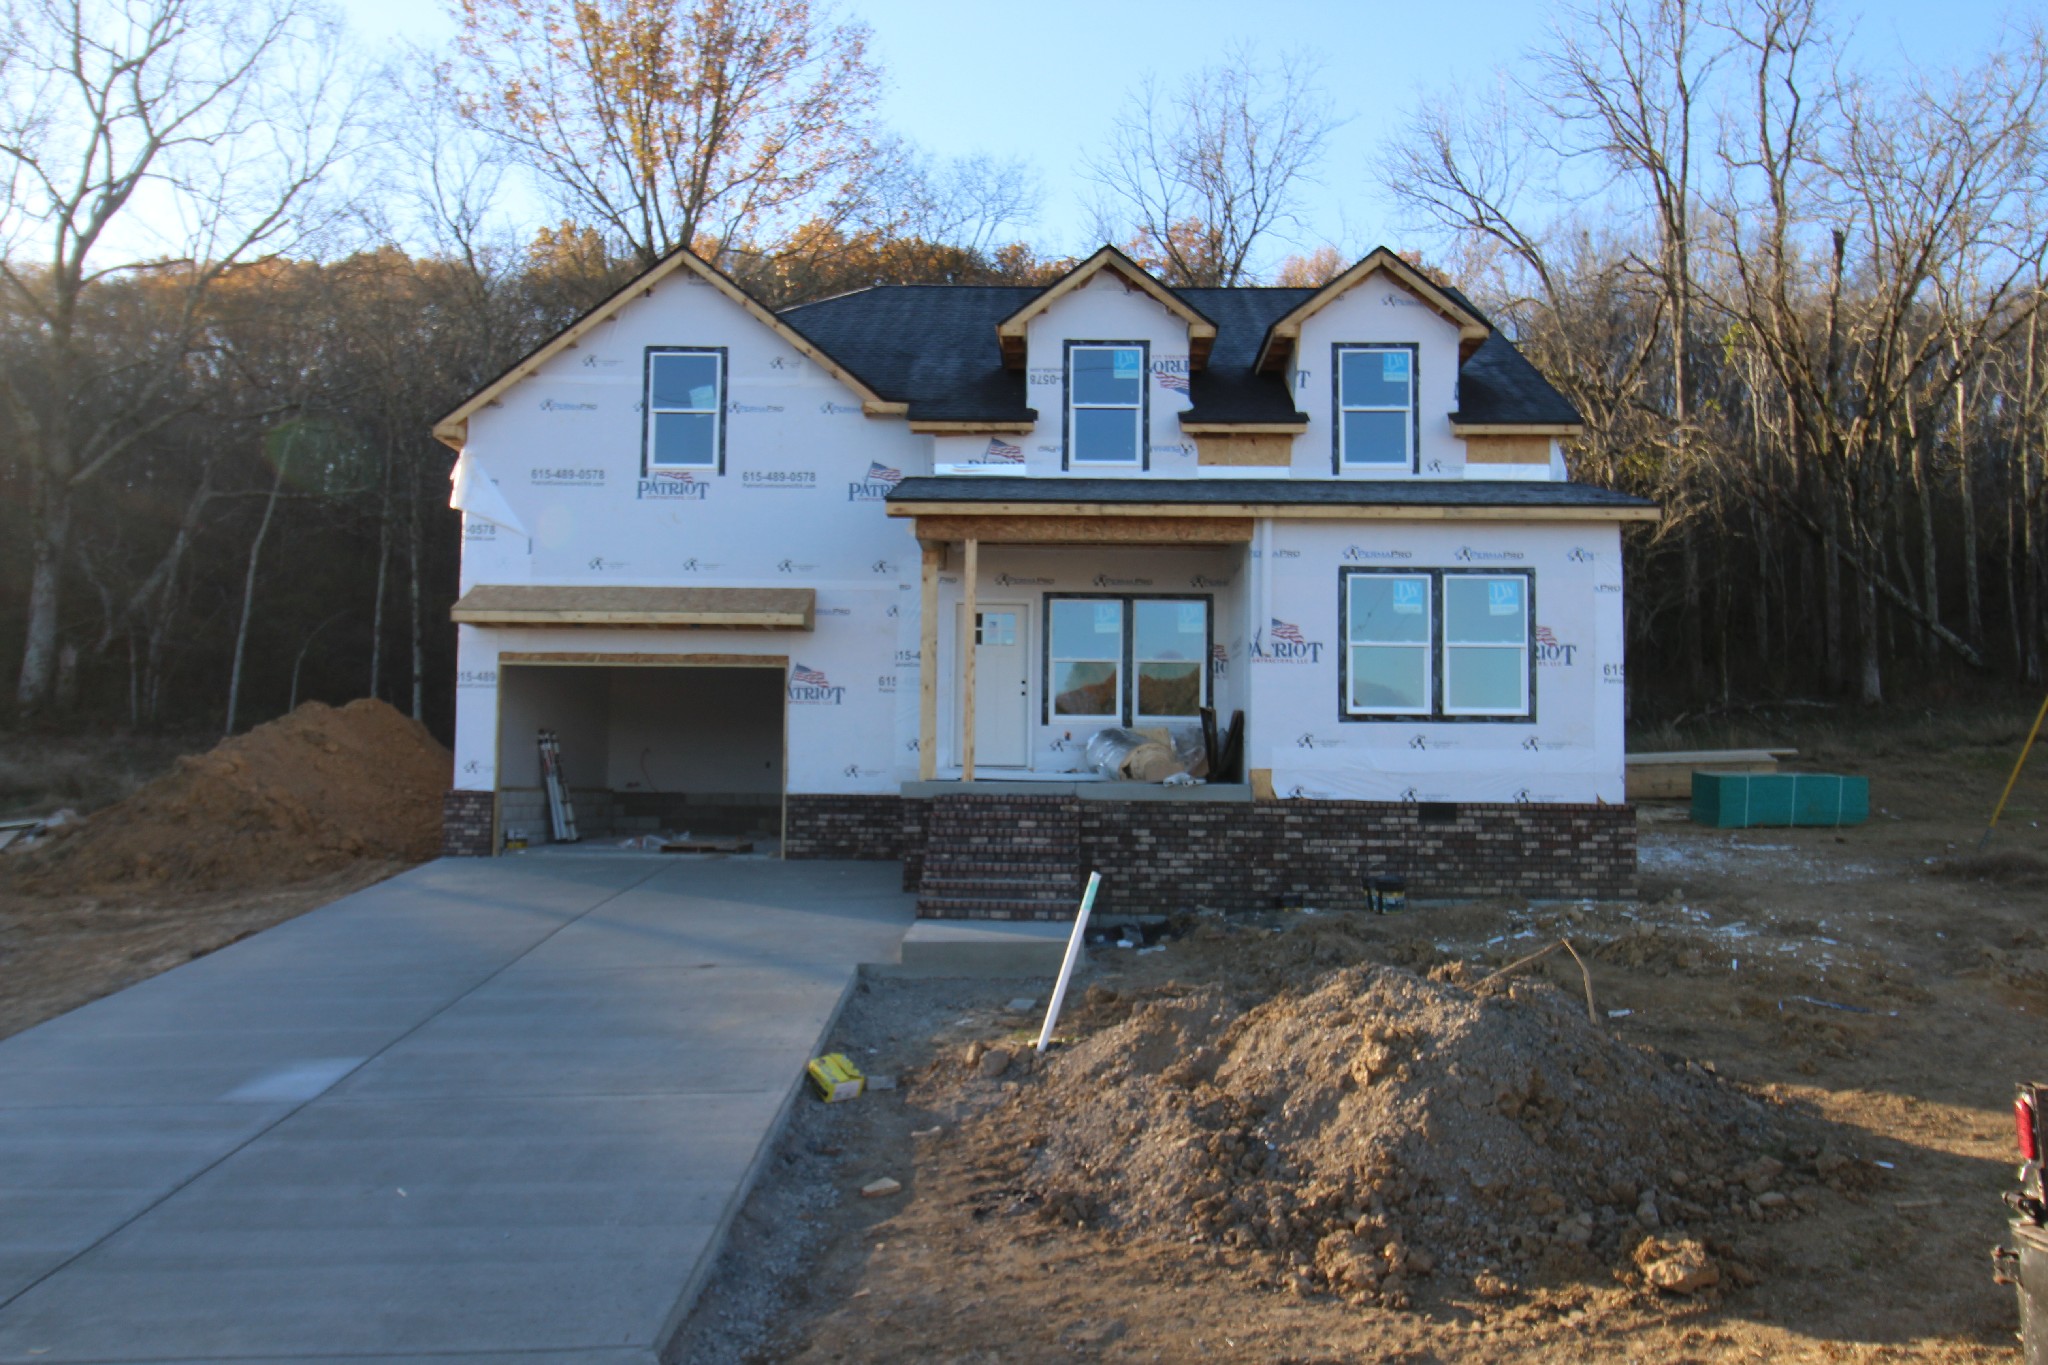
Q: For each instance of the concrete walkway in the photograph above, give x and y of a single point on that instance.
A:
(497, 1109)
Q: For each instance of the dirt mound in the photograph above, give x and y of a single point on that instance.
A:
(300, 796)
(1370, 1126)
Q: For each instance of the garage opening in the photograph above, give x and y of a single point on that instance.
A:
(646, 750)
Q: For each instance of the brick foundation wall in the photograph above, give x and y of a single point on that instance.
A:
(466, 819)
(1160, 857)
(865, 827)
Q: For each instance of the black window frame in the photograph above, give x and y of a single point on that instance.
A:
(1337, 350)
(1127, 698)
(1436, 715)
(1067, 459)
(649, 469)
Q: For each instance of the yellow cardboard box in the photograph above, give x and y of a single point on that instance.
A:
(835, 1078)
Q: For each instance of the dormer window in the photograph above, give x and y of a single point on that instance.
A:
(685, 415)
(1376, 426)
(1106, 403)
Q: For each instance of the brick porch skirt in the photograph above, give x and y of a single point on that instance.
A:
(1158, 857)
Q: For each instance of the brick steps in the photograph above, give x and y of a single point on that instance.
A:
(1001, 857)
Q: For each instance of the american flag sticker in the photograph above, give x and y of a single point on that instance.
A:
(1544, 637)
(1003, 452)
(881, 473)
(810, 677)
(1282, 630)
(1169, 380)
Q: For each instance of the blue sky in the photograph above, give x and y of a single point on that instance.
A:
(1040, 81)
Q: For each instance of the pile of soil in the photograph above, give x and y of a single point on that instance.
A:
(299, 797)
(1369, 1126)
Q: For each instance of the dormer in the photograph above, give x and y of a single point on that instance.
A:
(1108, 352)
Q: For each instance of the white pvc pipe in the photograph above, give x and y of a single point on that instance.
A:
(1059, 990)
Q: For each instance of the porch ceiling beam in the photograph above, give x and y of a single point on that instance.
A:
(1106, 512)
(1067, 530)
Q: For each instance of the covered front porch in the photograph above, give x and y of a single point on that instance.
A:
(1040, 629)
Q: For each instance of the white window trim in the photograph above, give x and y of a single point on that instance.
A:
(1521, 651)
(1427, 646)
(1136, 406)
(716, 411)
(1407, 410)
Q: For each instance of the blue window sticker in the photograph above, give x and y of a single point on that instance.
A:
(1109, 618)
(1394, 365)
(1407, 597)
(1126, 363)
(1504, 597)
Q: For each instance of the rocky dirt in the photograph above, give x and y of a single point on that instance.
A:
(1314, 1137)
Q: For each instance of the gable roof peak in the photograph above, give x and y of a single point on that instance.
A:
(453, 429)
(1012, 330)
(1286, 330)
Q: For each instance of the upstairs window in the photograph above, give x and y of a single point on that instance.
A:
(1106, 403)
(1375, 407)
(1444, 644)
(685, 426)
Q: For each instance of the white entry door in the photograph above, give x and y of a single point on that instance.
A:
(1002, 686)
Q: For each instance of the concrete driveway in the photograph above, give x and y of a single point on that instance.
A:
(486, 1109)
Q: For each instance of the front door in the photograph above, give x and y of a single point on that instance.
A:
(1002, 686)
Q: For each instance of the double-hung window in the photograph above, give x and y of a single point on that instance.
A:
(1086, 657)
(685, 409)
(1375, 407)
(1106, 403)
(1130, 660)
(1486, 644)
(1440, 643)
(1390, 651)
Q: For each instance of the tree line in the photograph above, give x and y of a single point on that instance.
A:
(1797, 301)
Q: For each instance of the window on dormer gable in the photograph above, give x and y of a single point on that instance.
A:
(1375, 407)
(685, 408)
(1106, 403)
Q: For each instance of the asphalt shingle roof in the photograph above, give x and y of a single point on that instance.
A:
(1269, 492)
(934, 347)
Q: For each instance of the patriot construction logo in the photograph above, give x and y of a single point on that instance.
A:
(874, 486)
(809, 687)
(1219, 661)
(1552, 652)
(661, 486)
(1283, 643)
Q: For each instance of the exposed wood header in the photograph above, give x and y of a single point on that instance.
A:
(453, 430)
(1277, 511)
(974, 428)
(521, 604)
(1243, 428)
(1284, 333)
(1561, 429)
(1008, 529)
(1011, 331)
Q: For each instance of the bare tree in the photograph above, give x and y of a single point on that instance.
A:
(173, 138)
(666, 124)
(1197, 179)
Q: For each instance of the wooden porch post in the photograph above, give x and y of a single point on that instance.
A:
(928, 663)
(971, 635)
